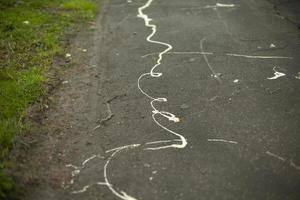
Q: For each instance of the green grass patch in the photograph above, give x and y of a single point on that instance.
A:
(30, 35)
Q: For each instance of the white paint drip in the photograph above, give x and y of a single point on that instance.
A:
(236, 81)
(222, 140)
(298, 76)
(277, 74)
(272, 45)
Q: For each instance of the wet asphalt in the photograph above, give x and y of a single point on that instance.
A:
(242, 128)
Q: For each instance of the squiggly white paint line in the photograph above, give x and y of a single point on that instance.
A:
(154, 74)
(120, 194)
(277, 74)
(214, 74)
(222, 140)
(221, 5)
(212, 53)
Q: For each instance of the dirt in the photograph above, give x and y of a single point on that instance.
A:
(39, 156)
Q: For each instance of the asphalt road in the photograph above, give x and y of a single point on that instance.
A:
(232, 82)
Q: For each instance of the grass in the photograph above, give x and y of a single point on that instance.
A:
(30, 36)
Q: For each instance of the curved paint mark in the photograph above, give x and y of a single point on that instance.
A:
(120, 194)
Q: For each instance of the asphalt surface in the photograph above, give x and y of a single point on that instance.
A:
(241, 123)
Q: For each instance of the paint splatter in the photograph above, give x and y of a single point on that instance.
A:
(277, 74)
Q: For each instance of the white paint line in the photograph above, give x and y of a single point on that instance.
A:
(163, 141)
(119, 148)
(89, 159)
(294, 165)
(259, 57)
(225, 5)
(120, 194)
(182, 139)
(85, 188)
(212, 53)
(179, 53)
(222, 140)
(277, 74)
(214, 74)
(291, 163)
(275, 156)
(221, 5)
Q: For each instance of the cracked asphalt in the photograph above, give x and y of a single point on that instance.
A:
(242, 127)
